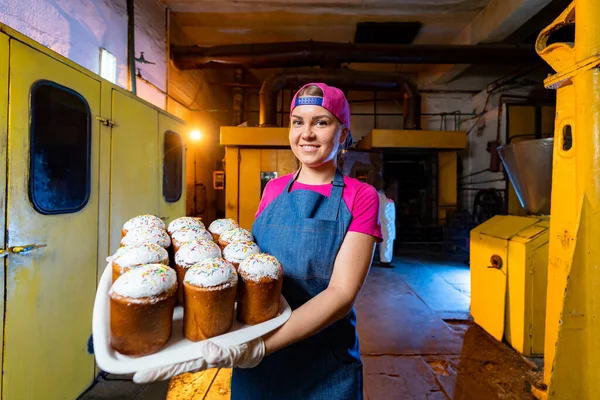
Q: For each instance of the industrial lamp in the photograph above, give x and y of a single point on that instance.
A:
(195, 135)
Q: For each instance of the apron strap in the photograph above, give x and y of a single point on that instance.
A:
(335, 197)
(291, 182)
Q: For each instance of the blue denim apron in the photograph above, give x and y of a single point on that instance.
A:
(305, 231)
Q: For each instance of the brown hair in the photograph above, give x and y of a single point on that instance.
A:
(312, 90)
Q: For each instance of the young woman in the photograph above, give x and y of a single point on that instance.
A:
(322, 226)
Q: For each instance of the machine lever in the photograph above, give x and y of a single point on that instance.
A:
(25, 248)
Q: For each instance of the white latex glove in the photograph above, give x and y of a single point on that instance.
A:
(246, 355)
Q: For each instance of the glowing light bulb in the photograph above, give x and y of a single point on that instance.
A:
(195, 134)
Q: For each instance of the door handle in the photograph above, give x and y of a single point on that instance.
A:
(24, 248)
(3, 253)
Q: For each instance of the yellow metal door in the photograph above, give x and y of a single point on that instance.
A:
(489, 256)
(286, 162)
(249, 184)
(255, 168)
(281, 162)
(447, 187)
(488, 283)
(538, 292)
(172, 178)
(135, 161)
(3, 142)
(53, 201)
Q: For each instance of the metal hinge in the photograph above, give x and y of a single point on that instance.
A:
(106, 121)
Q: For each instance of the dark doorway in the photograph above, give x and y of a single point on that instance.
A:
(411, 181)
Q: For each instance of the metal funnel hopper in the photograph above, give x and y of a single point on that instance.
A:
(529, 168)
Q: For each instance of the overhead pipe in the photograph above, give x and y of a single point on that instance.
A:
(238, 97)
(311, 53)
(345, 79)
(131, 45)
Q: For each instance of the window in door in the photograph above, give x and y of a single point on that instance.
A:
(172, 167)
(60, 149)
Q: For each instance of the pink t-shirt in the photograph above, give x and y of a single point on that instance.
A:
(360, 198)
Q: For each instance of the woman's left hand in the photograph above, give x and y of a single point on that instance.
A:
(246, 355)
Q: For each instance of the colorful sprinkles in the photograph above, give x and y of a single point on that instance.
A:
(238, 251)
(146, 253)
(219, 226)
(188, 234)
(184, 222)
(260, 265)
(236, 235)
(145, 234)
(195, 251)
(149, 280)
(211, 272)
(146, 220)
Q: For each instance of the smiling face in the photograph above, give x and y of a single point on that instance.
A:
(315, 135)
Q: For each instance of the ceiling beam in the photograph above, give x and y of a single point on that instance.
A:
(340, 7)
(497, 21)
(310, 53)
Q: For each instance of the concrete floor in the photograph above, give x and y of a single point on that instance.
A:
(416, 339)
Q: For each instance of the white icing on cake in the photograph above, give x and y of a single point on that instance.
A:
(146, 220)
(147, 253)
(219, 226)
(236, 235)
(260, 265)
(143, 235)
(195, 251)
(149, 280)
(185, 235)
(184, 222)
(238, 251)
(211, 272)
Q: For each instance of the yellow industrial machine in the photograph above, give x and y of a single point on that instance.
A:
(509, 259)
(571, 366)
(509, 254)
(446, 143)
(572, 326)
(255, 155)
(83, 156)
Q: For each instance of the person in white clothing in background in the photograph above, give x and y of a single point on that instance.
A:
(387, 216)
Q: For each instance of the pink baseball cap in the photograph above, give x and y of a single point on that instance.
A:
(333, 100)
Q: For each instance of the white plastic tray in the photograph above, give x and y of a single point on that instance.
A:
(178, 348)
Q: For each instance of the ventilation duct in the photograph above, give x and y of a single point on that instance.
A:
(310, 53)
(345, 79)
(386, 32)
